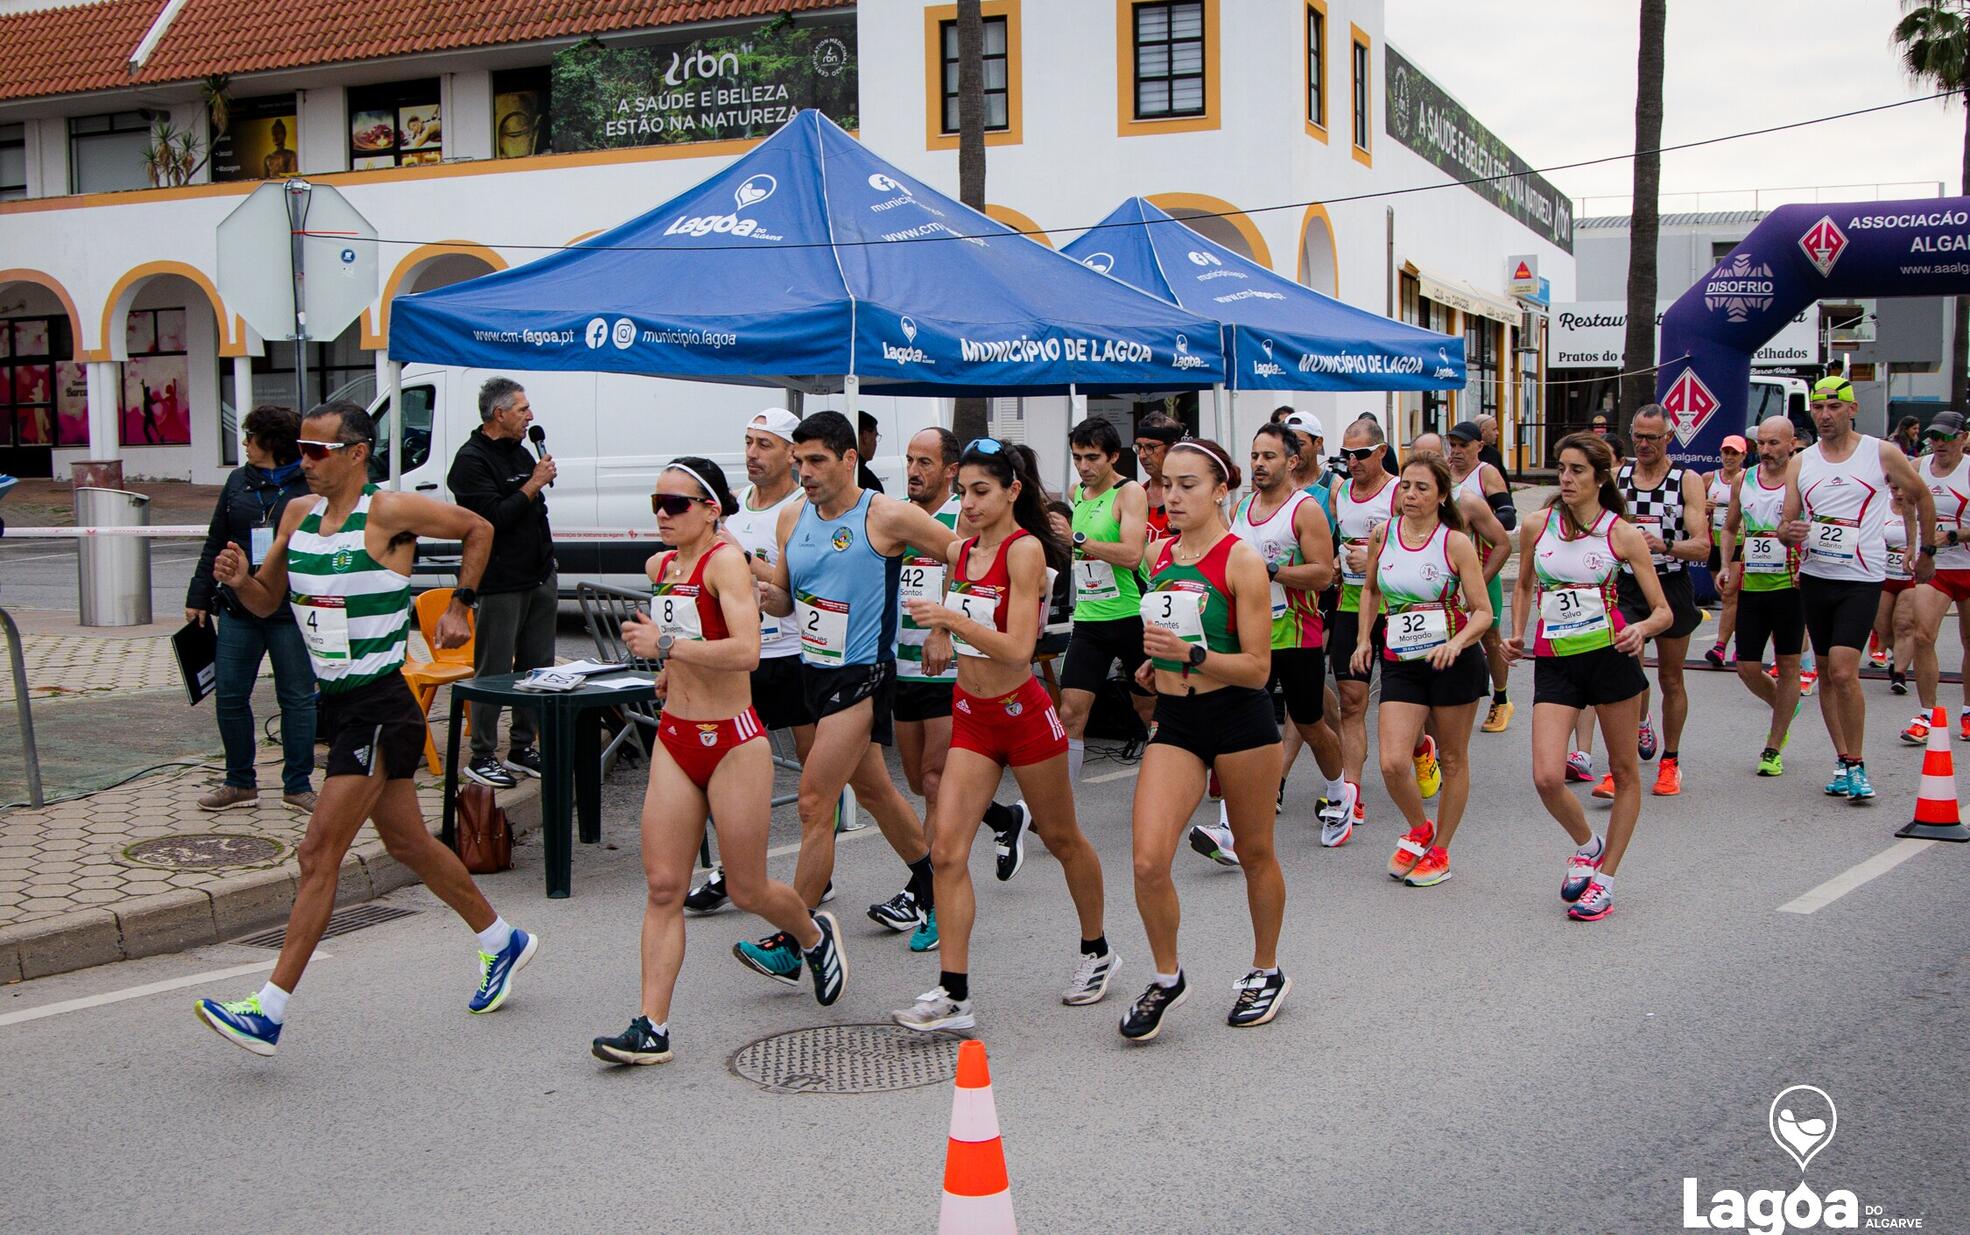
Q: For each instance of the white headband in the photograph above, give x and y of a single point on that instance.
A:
(1224, 464)
(709, 491)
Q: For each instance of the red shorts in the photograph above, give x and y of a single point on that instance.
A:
(699, 746)
(1895, 587)
(1954, 584)
(1011, 730)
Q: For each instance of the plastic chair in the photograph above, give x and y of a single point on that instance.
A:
(447, 665)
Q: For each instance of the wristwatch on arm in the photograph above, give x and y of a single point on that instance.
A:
(665, 642)
(465, 597)
(1197, 654)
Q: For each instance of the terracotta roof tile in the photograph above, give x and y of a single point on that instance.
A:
(87, 47)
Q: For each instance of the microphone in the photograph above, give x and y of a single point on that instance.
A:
(538, 436)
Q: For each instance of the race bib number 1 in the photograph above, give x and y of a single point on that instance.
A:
(1095, 581)
(324, 623)
(823, 629)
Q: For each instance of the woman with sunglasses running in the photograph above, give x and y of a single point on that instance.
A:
(1587, 656)
(1001, 717)
(1207, 627)
(1425, 574)
(703, 626)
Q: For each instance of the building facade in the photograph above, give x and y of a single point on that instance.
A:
(1273, 126)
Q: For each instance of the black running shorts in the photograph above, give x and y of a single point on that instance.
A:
(778, 694)
(376, 727)
(1097, 645)
(1301, 676)
(1684, 616)
(1839, 612)
(1343, 629)
(1587, 679)
(837, 689)
(1776, 617)
(1218, 722)
(921, 701)
(1413, 681)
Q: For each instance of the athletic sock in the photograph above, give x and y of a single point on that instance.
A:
(956, 985)
(1336, 790)
(662, 1030)
(1498, 696)
(494, 938)
(1768, 752)
(922, 884)
(1592, 849)
(1670, 754)
(999, 818)
(1270, 973)
(1077, 754)
(1168, 980)
(1098, 946)
(273, 1003)
(1605, 880)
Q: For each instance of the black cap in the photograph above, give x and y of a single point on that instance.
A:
(1466, 431)
(1945, 424)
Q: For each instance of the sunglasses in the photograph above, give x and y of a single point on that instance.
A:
(984, 446)
(1361, 453)
(320, 450)
(674, 504)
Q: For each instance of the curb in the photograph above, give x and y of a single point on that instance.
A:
(193, 917)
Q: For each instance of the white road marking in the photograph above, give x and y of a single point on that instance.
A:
(1854, 876)
(781, 851)
(1105, 777)
(138, 992)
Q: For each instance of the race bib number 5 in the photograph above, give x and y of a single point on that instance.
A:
(983, 610)
(823, 629)
(324, 623)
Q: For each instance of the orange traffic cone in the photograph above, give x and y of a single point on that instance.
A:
(1936, 814)
(977, 1195)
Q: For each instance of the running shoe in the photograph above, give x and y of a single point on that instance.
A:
(1807, 679)
(1771, 762)
(935, 1009)
(898, 913)
(1429, 773)
(489, 771)
(924, 938)
(1771, 671)
(1212, 789)
(1876, 654)
(1360, 807)
(1605, 790)
(1897, 682)
(1838, 786)
(1859, 788)
(1279, 799)
(826, 959)
(1668, 778)
(1259, 997)
(1328, 810)
(1580, 871)
(1645, 743)
(241, 1022)
(525, 761)
(1411, 849)
(1594, 904)
(1963, 726)
(1499, 717)
(1715, 655)
(709, 896)
(1214, 842)
(1144, 1019)
(1580, 767)
(777, 956)
(1335, 832)
(639, 1044)
(1432, 870)
(1090, 980)
(496, 970)
(1009, 846)
(1917, 733)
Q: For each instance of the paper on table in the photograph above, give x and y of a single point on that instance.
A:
(616, 683)
(592, 666)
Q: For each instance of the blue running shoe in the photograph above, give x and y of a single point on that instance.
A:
(496, 971)
(777, 956)
(924, 938)
(241, 1022)
(1858, 788)
(1839, 786)
(1645, 741)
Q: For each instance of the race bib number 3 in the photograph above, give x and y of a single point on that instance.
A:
(676, 613)
(1095, 581)
(1572, 611)
(1178, 611)
(1764, 555)
(823, 629)
(1652, 526)
(1835, 540)
(324, 623)
(983, 610)
(1414, 633)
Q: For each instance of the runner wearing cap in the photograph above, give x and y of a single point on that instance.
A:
(1758, 576)
(1718, 487)
(1835, 507)
(1480, 479)
(1946, 474)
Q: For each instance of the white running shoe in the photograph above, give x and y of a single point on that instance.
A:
(1090, 980)
(935, 1010)
(1334, 832)
(1214, 841)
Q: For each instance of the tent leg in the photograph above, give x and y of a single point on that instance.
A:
(397, 415)
(1217, 412)
(851, 396)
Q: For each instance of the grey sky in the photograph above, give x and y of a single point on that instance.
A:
(1556, 80)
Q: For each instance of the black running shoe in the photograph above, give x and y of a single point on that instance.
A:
(639, 1044)
(898, 913)
(1259, 997)
(1144, 1019)
(1010, 845)
(1897, 682)
(828, 962)
(524, 760)
(490, 771)
(709, 896)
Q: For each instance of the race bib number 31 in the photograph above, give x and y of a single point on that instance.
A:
(324, 623)
(1572, 611)
(823, 629)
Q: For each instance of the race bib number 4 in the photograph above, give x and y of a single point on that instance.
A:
(324, 623)
(1764, 555)
(1835, 540)
(1572, 611)
(1414, 633)
(981, 609)
(823, 629)
(676, 613)
(1177, 610)
(1095, 581)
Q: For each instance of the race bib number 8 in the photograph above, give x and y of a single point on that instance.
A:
(676, 613)
(1178, 611)
(823, 629)
(324, 623)
(1835, 540)
(983, 610)
(1572, 611)
(1414, 633)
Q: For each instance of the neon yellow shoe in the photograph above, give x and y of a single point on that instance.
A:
(1429, 773)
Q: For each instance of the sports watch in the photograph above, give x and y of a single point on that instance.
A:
(466, 596)
(665, 642)
(1197, 654)
(1080, 538)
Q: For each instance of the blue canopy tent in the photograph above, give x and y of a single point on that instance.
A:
(1278, 335)
(810, 263)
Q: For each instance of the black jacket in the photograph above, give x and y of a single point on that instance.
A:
(485, 478)
(249, 500)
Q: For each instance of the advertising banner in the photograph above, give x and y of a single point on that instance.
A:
(1590, 334)
(259, 141)
(740, 85)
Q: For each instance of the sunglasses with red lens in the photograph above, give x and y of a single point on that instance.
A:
(673, 504)
(320, 450)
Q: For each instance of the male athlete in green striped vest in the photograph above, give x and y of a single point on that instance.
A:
(342, 563)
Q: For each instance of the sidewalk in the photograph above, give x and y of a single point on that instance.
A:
(51, 503)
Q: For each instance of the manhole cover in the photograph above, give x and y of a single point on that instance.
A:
(849, 1059)
(205, 851)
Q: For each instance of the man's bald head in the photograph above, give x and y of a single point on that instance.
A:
(1426, 443)
(1776, 442)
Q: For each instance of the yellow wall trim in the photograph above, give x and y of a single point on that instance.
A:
(232, 330)
(1316, 131)
(21, 274)
(414, 261)
(935, 138)
(1126, 125)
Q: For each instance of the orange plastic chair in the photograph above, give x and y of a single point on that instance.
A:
(447, 665)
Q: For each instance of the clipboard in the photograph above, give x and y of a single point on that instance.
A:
(197, 650)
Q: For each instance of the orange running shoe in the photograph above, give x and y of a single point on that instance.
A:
(1668, 779)
(1411, 849)
(1432, 870)
(1606, 788)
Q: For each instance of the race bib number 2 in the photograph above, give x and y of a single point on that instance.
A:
(324, 623)
(823, 629)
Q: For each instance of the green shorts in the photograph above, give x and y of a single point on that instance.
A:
(1495, 588)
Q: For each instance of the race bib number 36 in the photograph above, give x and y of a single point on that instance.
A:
(823, 629)
(1764, 555)
(324, 623)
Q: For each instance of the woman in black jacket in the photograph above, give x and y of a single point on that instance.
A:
(248, 515)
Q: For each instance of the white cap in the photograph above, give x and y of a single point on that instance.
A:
(775, 420)
(1308, 423)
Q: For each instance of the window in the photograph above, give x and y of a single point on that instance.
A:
(1316, 66)
(418, 401)
(1721, 249)
(521, 124)
(29, 375)
(395, 125)
(13, 161)
(260, 140)
(331, 366)
(1169, 60)
(998, 111)
(157, 404)
(1360, 84)
(1481, 364)
(106, 153)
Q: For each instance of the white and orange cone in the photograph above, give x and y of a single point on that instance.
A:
(1937, 816)
(977, 1194)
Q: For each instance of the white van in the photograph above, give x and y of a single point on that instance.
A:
(610, 435)
(1779, 396)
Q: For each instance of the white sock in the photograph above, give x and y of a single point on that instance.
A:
(1167, 980)
(273, 1003)
(1077, 754)
(1336, 789)
(663, 1029)
(494, 938)
(1592, 849)
(1605, 880)
(1270, 973)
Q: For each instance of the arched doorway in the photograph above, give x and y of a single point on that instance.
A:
(163, 327)
(1218, 220)
(1319, 268)
(43, 392)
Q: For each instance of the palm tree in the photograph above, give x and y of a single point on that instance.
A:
(1934, 40)
(1638, 352)
(971, 417)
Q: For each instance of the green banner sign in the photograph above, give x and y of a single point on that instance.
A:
(738, 85)
(1425, 119)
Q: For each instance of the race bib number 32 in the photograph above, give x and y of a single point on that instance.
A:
(1414, 633)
